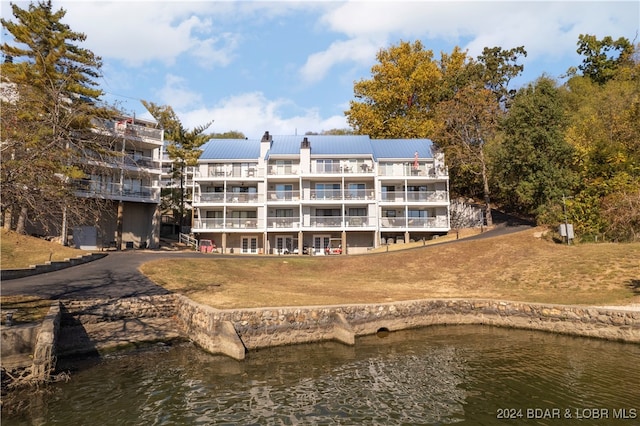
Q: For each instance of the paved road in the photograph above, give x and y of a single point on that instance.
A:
(117, 275)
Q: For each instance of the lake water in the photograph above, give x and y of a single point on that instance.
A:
(470, 375)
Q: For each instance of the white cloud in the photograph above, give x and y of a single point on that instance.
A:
(139, 32)
(175, 93)
(253, 114)
(547, 29)
(356, 50)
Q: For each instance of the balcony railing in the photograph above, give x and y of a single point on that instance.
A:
(413, 222)
(343, 167)
(229, 172)
(283, 170)
(413, 196)
(282, 196)
(89, 188)
(408, 170)
(283, 222)
(228, 223)
(228, 197)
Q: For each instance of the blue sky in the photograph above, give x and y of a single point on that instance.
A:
(289, 67)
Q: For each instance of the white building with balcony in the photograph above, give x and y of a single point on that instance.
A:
(291, 194)
(127, 175)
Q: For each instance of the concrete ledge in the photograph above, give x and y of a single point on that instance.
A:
(11, 274)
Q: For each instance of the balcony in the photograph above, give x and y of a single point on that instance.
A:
(228, 197)
(343, 167)
(230, 171)
(283, 196)
(225, 224)
(283, 222)
(413, 222)
(408, 170)
(414, 196)
(96, 189)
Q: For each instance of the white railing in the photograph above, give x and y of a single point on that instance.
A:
(413, 222)
(413, 196)
(90, 188)
(188, 240)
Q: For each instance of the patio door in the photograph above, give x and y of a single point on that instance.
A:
(249, 245)
(320, 243)
(284, 244)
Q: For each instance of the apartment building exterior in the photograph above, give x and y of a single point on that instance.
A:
(127, 175)
(318, 194)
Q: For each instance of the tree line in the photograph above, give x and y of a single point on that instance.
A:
(547, 151)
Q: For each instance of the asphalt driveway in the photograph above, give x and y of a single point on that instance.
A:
(116, 275)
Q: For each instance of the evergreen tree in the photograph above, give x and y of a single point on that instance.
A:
(183, 149)
(49, 99)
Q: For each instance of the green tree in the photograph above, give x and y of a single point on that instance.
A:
(49, 100)
(533, 163)
(183, 147)
(603, 58)
(231, 134)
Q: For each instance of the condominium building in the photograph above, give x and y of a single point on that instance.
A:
(318, 194)
(127, 174)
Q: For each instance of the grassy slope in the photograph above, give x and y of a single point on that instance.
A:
(20, 251)
(515, 267)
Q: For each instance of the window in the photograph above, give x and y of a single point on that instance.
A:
(284, 167)
(329, 191)
(357, 211)
(327, 166)
(284, 212)
(418, 213)
(356, 190)
(284, 191)
(327, 212)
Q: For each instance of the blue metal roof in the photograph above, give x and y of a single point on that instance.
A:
(322, 145)
(401, 148)
(231, 149)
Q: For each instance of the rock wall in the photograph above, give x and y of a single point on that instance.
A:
(265, 327)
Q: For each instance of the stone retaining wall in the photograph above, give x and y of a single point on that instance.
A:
(256, 328)
(104, 324)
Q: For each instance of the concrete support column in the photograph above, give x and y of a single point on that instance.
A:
(224, 242)
(265, 243)
(344, 242)
(154, 238)
(119, 225)
(406, 237)
(300, 243)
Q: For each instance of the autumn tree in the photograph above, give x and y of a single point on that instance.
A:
(49, 99)
(183, 148)
(397, 102)
(456, 100)
(604, 130)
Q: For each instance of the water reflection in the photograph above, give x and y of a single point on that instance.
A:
(437, 375)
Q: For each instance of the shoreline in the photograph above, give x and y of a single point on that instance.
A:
(90, 328)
